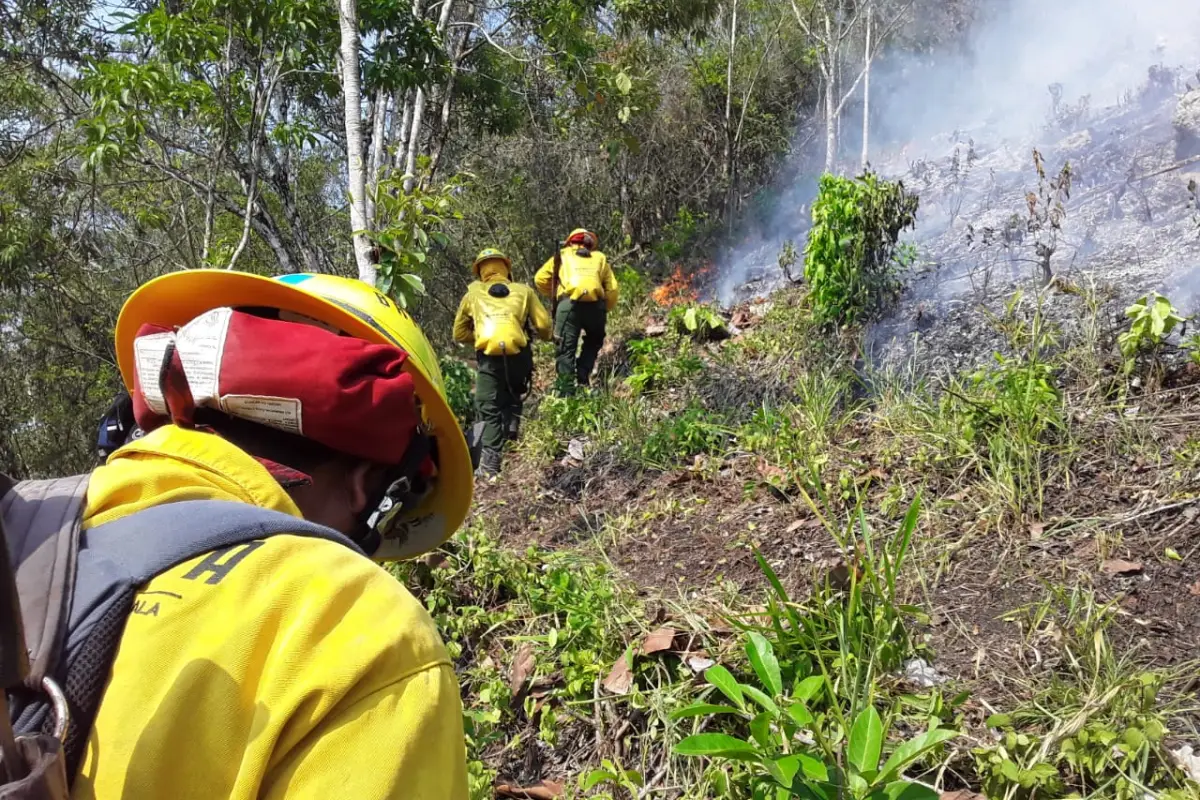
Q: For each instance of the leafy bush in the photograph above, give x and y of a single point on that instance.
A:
(460, 382)
(655, 368)
(1152, 320)
(850, 258)
(682, 436)
(700, 322)
(814, 728)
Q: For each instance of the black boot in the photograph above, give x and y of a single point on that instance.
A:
(489, 464)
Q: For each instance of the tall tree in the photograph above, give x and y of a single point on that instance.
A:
(355, 159)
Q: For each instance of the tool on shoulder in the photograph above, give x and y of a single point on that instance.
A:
(558, 248)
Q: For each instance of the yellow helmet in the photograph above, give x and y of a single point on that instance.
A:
(488, 255)
(356, 309)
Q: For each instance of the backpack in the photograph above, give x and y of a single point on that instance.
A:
(77, 588)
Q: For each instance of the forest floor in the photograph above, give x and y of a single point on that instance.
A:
(1048, 603)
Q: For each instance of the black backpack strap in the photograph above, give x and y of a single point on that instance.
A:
(115, 560)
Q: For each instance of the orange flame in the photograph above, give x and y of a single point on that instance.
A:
(679, 288)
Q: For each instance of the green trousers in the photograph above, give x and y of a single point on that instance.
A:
(573, 322)
(500, 383)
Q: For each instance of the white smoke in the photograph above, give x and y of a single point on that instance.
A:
(994, 88)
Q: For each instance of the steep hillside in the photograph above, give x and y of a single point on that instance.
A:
(1048, 598)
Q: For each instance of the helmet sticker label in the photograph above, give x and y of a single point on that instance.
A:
(148, 354)
(201, 344)
(283, 413)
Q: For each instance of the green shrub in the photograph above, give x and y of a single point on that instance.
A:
(460, 383)
(655, 368)
(683, 436)
(1152, 320)
(850, 261)
(700, 322)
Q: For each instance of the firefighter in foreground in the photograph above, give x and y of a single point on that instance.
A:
(495, 317)
(290, 666)
(583, 289)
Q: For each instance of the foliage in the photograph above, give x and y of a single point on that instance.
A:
(849, 260)
(411, 225)
(701, 322)
(565, 614)
(815, 731)
(1152, 320)
(681, 436)
(654, 368)
(1097, 726)
(460, 380)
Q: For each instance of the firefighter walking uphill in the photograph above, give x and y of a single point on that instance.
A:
(498, 317)
(581, 284)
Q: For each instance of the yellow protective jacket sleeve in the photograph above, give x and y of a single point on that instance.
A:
(584, 278)
(291, 667)
(542, 324)
(496, 325)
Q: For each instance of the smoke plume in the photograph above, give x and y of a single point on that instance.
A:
(1021, 63)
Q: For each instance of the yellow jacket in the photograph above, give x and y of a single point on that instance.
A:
(495, 323)
(306, 671)
(586, 278)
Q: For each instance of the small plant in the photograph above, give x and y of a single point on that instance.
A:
(794, 752)
(460, 380)
(679, 437)
(609, 773)
(1152, 320)
(787, 259)
(700, 322)
(655, 368)
(1096, 727)
(850, 258)
(814, 728)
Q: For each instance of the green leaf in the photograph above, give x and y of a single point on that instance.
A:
(866, 741)
(596, 777)
(766, 665)
(814, 769)
(721, 678)
(808, 688)
(714, 744)
(784, 770)
(760, 697)
(760, 730)
(906, 790)
(913, 749)
(800, 714)
(702, 709)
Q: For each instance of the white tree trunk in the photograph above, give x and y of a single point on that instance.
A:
(378, 148)
(866, 136)
(418, 115)
(356, 165)
(414, 138)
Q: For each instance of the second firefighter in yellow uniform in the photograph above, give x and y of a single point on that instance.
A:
(580, 282)
(498, 317)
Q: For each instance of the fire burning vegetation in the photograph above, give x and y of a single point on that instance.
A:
(681, 287)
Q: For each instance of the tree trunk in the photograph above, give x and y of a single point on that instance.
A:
(730, 150)
(414, 138)
(401, 122)
(378, 147)
(831, 73)
(866, 136)
(356, 166)
(830, 125)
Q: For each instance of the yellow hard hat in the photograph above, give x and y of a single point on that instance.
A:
(356, 309)
(578, 235)
(490, 254)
